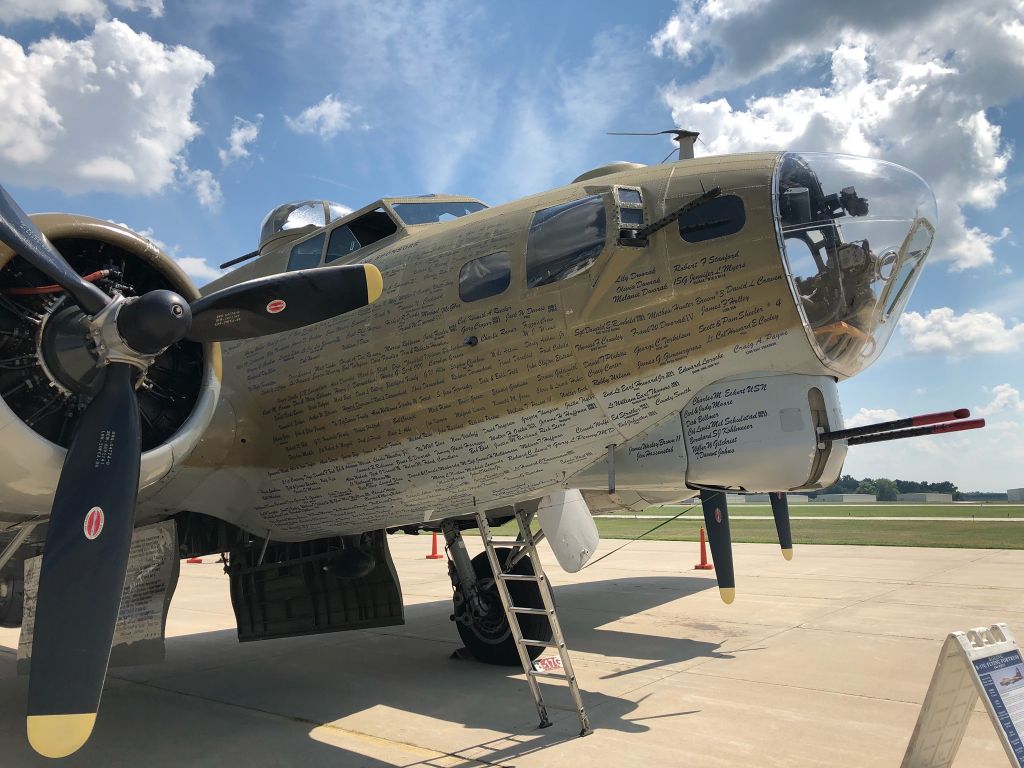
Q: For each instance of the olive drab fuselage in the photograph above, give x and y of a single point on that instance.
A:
(425, 405)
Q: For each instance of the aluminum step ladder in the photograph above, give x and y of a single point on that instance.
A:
(526, 544)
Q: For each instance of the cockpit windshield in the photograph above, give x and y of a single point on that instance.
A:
(855, 232)
(433, 212)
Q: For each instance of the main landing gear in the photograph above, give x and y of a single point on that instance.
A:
(506, 611)
(479, 614)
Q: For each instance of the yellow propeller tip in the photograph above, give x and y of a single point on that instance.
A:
(374, 283)
(788, 554)
(59, 735)
(728, 594)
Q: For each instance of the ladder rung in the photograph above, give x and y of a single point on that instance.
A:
(507, 543)
(530, 611)
(540, 643)
(544, 673)
(519, 577)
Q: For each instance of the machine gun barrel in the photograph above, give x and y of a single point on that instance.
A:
(890, 426)
(935, 429)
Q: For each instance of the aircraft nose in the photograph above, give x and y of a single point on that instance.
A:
(854, 232)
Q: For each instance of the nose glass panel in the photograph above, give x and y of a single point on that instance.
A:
(855, 234)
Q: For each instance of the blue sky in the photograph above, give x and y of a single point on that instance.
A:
(190, 120)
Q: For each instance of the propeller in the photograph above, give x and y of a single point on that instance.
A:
(93, 514)
(716, 522)
(780, 511)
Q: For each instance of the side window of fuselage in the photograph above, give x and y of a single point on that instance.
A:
(716, 218)
(306, 254)
(565, 240)
(487, 276)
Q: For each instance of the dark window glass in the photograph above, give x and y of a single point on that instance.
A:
(372, 226)
(631, 215)
(628, 196)
(717, 218)
(564, 240)
(341, 244)
(431, 213)
(486, 276)
(306, 254)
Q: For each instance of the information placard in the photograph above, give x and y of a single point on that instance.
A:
(983, 662)
(1002, 677)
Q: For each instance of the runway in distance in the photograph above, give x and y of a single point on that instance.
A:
(642, 335)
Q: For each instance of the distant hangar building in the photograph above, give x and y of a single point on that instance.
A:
(1015, 494)
(926, 498)
(848, 498)
(762, 498)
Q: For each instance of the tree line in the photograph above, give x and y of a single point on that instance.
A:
(886, 489)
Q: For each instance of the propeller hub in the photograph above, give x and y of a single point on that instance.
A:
(154, 321)
(65, 354)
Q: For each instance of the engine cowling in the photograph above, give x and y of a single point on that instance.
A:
(47, 375)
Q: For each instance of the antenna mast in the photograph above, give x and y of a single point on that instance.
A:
(685, 139)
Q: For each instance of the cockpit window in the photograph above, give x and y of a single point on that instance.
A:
(716, 218)
(855, 232)
(306, 254)
(372, 226)
(564, 240)
(433, 212)
(358, 233)
(341, 244)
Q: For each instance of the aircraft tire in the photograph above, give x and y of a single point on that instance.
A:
(489, 638)
(12, 596)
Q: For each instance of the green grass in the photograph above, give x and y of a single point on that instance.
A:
(880, 533)
(863, 510)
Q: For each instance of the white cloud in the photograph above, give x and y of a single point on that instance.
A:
(243, 133)
(77, 10)
(327, 118)
(1004, 398)
(867, 416)
(107, 169)
(206, 187)
(913, 82)
(959, 336)
(198, 269)
(987, 459)
(110, 112)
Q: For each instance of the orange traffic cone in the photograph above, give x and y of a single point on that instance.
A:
(703, 565)
(433, 548)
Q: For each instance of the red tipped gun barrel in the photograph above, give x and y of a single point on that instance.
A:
(936, 429)
(924, 420)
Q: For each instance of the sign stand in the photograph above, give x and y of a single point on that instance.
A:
(982, 662)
